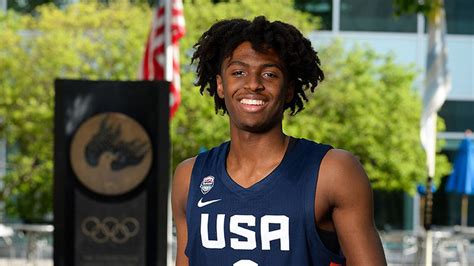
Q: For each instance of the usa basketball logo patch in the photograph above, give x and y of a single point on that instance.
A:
(207, 184)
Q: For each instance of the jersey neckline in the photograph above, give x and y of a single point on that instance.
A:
(261, 186)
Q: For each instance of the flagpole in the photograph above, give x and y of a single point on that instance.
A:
(430, 147)
(168, 67)
(437, 86)
(168, 43)
(428, 222)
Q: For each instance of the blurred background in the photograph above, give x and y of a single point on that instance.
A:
(375, 55)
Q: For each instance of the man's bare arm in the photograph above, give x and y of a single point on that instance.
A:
(179, 198)
(348, 191)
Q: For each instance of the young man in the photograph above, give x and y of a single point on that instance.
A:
(265, 198)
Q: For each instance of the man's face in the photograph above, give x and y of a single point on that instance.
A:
(254, 88)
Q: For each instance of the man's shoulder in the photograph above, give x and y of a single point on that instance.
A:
(342, 173)
(335, 163)
(188, 164)
(341, 158)
(182, 173)
(180, 186)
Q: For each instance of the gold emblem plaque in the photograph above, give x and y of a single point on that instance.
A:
(111, 153)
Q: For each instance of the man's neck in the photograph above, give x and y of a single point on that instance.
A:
(253, 156)
(245, 144)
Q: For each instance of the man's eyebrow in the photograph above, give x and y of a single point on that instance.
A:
(266, 65)
(236, 62)
(273, 65)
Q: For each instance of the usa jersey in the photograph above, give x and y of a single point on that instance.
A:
(270, 223)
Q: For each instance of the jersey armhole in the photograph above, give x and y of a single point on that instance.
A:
(196, 171)
(314, 238)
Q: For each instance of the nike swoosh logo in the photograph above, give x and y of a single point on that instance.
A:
(205, 203)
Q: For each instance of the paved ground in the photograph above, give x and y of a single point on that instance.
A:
(400, 249)
(23, 262)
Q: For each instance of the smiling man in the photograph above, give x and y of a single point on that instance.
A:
(265, 198)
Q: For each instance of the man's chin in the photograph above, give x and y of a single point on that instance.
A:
(258, 128)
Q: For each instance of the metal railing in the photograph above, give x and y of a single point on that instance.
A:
(451, 246)
(26, 244)
(32, 245)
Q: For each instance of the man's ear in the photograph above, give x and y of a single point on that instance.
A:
(220, 87)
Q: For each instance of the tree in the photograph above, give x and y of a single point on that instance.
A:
(92, 41)
(95, 41)
(26, 6)
(367, 105)
(87, 40)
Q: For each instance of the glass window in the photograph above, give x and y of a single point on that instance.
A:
(320, 8)
(369, 15)
(387, 211)
(460, 16)
(458, 115)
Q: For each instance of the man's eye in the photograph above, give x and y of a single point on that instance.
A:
(238, 73)
(269, 75)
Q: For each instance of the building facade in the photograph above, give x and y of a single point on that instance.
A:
(372, 23)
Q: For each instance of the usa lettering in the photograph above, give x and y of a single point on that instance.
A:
(282, 234)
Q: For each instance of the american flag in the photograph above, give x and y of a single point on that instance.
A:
(161, 58)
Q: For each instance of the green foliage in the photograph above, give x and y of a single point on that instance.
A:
(94, 41)
(367, 106)
(26, 6)
(85, 40)
(427, 7)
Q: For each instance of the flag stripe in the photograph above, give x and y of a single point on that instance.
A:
(154, 60)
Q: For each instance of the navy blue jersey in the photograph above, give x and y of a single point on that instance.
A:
(270, 223)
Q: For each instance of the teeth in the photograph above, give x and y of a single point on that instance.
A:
(252, 102)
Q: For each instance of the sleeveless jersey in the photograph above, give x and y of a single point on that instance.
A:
(270, 223)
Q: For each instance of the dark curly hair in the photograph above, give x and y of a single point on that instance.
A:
(300, 59)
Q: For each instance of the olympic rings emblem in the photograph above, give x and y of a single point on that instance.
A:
(110, 228)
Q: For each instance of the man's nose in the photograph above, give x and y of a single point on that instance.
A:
(254, 82)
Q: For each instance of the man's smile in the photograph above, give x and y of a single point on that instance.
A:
(252, 102)
(252, 105)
